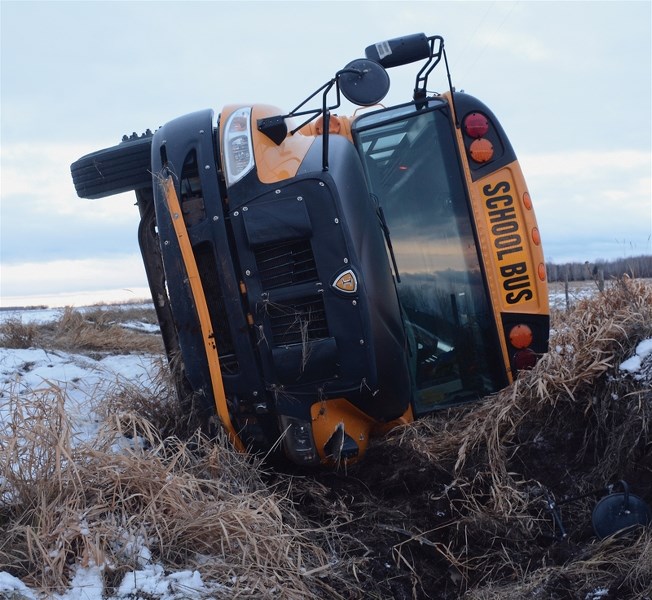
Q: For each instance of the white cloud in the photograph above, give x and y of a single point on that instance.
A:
(543, 67)
(52, 277)
(523, 45)
(39, 175)
(586, 163)
(591, 204)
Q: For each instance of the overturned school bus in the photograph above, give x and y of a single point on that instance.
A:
(317, 283)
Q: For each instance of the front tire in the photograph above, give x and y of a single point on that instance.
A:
(122, 168)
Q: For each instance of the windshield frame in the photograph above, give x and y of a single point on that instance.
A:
(486, 345)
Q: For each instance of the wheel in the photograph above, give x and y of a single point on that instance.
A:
(114, 170)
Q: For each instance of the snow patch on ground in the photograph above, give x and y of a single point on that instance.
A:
(639, 366)
(636, 362)
(41, 316)
(149, 582)
(80, 380)
(11, 587)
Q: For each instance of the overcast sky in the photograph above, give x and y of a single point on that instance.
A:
(570, 82)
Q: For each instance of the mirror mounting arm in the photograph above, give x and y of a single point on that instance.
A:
(275, 127)
(452, 90)
(325, 111)
(437, 52)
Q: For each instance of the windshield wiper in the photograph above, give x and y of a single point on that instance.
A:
(388, 239)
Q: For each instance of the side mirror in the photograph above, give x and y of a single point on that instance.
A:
(400, 51)
(363, 82)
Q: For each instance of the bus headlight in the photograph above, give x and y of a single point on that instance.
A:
(298, 441)
(238, 150)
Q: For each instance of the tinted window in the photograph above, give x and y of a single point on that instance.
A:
(413, 170)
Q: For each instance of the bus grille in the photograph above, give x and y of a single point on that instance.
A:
(302, 320)
(285, 264)
(207, 266)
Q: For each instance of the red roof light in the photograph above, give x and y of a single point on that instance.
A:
(476, 125)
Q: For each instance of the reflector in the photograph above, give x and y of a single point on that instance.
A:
(536, 236)
(542, 271)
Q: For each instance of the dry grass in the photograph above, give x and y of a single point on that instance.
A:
(132, 496)
(100, 329)
(625, 560)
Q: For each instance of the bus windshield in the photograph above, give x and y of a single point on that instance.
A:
(413, 170)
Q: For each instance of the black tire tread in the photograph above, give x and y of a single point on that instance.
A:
(121, 168)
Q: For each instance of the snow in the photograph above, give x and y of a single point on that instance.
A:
(10, 586)
(81, 378)
(39, 316)
(36, 315)
(635, 363)
(151, 581)
(86, 584)
(597, 594)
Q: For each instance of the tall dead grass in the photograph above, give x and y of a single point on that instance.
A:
(100, 329)
(131, 497)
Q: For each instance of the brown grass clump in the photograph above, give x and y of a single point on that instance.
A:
(132, 497)
(16, 334)
(101, 330)
(155, 403)
(625, 560)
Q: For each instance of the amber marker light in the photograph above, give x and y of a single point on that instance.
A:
(541, 270)
(536, 236)
(527, 201)
(520, 336)
(481, 150)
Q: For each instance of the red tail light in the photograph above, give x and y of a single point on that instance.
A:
(525, 359)
(476, 125)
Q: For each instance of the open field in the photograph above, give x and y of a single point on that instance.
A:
(107, 491)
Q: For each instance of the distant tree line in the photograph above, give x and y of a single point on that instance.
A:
(634, 266)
